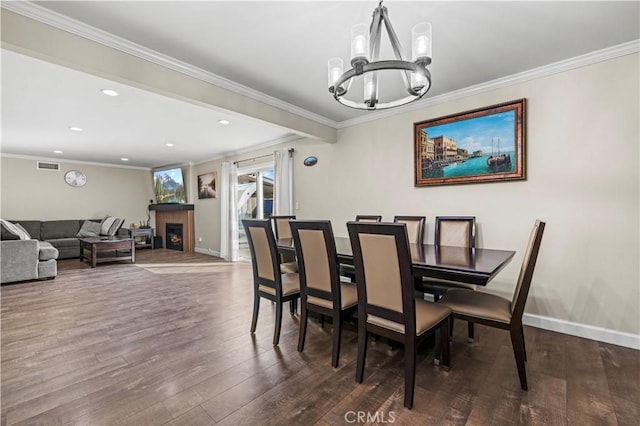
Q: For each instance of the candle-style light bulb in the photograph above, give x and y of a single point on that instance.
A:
(421, 42)
(359, 44)
(334, 69)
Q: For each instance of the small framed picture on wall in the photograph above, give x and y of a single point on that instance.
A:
(207, 185)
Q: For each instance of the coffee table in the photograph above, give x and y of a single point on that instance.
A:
(106, 249)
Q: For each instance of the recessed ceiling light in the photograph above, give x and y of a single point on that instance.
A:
(124, 159)
(75, 129)
(109, 92)
(169, 144)
(57, 151)
(223, 121)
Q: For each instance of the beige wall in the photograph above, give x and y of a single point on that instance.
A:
(582, 167)
(29, 193)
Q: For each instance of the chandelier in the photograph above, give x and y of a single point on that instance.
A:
(365, 50)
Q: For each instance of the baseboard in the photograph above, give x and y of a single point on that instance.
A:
(605, 335)
(210, 252)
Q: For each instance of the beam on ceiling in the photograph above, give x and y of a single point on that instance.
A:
(31, 37)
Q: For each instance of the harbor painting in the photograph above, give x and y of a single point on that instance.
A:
(483, 145)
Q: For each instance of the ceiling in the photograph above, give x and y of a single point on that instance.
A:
(276, 49)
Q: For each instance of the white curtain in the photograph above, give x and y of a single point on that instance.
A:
(283, 192)
(229, 212)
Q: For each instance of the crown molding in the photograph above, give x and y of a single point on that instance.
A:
(532, 74)
(66, 160)
(62, 22)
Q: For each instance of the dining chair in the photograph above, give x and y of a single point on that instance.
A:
(320, 288)
(268, 280)
(282, 230)
(415, 227)
(457, 231)
(495, 311)
(348, 270)
(368, 218)
(386, 298)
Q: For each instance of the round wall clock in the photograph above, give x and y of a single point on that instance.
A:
(75, 178)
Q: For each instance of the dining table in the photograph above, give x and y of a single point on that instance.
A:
(469, 265)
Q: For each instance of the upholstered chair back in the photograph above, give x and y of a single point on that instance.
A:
(415, 227)
(456, 231)
(381, 256)
(526, 270)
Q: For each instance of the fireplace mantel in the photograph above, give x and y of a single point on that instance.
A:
(170, 207)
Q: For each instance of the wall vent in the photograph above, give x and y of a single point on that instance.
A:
(45, 165)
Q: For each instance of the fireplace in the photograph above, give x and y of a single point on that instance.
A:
(174, 236)
(175, 213)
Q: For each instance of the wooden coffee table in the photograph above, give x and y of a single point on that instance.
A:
(102, 249)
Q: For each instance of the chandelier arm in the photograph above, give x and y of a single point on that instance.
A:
(374, 34)
(375, 31)
(397, 49)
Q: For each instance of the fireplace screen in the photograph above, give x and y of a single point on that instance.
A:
(174, 236)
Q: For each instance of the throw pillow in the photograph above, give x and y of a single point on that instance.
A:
(106, 223)
(110, 225)
(8, 235)
(15, 229)
(89, 229)
(117, 224)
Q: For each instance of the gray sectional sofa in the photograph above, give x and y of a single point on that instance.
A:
(59, 233)
(23, 260)
(36, 258)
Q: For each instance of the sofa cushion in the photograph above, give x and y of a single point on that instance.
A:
(54, 229)
(15, 229)
(89, 229)
(64, 242)
(46, 251)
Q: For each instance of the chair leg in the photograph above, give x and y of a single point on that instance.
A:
(437, 347)
(276, 332)
(524, 347)
(256, 309)
(451, 319)
(293, 305)
(302, 334)
(518, 352)
(362, 353)
(321, 320)
(470, 331)
(445, 345)
(337, 336)
(409, 371)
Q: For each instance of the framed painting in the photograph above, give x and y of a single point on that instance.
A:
(207, 185)
(483, 145)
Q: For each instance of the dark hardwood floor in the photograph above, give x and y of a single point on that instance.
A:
(166, 342)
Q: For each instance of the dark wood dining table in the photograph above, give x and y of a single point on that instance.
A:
(466, 265)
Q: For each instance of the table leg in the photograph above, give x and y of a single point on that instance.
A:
(94, 256)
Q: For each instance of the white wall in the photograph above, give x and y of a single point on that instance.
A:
(582, 179)
(29, 193)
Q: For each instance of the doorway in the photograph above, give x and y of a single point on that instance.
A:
(255, 200)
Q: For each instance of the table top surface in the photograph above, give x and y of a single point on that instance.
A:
(470, 265)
